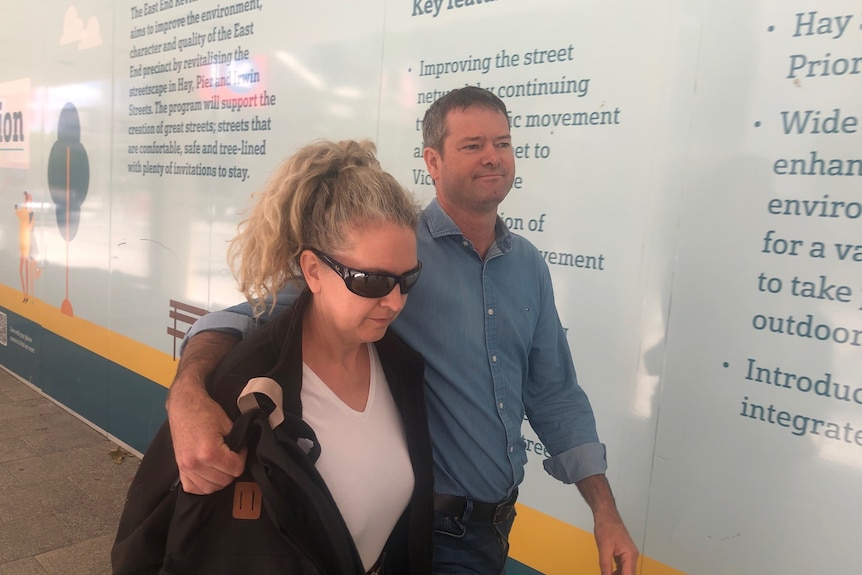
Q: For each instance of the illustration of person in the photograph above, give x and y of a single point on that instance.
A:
(28, 268)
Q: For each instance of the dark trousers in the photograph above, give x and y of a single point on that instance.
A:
(470, 547)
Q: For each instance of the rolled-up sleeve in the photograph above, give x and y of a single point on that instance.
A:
(239, 320)
(577, 463)
(223, 321)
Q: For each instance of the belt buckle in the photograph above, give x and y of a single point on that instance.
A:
(502, 512)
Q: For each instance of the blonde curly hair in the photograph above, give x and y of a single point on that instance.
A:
(323, 192)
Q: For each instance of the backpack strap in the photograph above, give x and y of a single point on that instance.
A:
(250, 399)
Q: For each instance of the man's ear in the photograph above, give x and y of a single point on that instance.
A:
(432, 162)
(310, 266)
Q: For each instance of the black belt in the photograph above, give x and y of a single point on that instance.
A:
(493, 513)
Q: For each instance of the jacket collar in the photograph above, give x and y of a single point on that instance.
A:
(400, 362)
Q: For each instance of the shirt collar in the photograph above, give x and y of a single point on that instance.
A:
(440, 225)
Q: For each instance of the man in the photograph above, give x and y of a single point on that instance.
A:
(485, 319)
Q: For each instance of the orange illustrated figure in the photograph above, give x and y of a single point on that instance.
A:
(26, 263)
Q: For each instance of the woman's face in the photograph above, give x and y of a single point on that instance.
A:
(387, 248)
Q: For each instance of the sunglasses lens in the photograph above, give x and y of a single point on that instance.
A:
(408, 281)
(371, 285)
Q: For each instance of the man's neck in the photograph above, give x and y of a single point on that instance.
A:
(478, 227)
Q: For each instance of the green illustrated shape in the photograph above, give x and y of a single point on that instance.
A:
(68, 172)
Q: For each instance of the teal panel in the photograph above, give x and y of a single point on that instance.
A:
(121, 402)
(23, 346)
(75, 377)
(136, 407)
(516, 568)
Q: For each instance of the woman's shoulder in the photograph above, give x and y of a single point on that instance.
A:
(258, 355)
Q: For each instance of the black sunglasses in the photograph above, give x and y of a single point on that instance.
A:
(371, 284)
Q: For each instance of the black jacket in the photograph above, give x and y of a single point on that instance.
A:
(164, 530)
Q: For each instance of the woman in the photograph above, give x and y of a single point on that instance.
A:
(331, 217)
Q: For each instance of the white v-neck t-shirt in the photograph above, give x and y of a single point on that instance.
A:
(363, 459)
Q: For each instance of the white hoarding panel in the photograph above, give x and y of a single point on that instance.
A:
(211, 98)
(759, 448)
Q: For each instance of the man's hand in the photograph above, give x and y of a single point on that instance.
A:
(618, 554)
(198, 424)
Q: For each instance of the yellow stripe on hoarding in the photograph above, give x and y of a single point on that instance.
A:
(554, 547)
(146, 361)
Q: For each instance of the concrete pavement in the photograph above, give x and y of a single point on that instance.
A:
(62, 487)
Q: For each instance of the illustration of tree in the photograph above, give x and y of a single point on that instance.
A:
(68, 180)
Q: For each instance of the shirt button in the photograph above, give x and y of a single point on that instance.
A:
(494, 358)
(500, 405)
(490, 311)
(465, 243)
(511, 448)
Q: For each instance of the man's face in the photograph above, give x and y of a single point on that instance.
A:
(476, 168)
